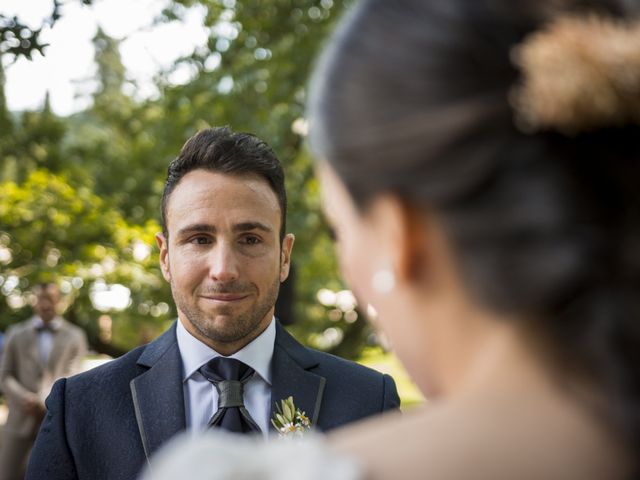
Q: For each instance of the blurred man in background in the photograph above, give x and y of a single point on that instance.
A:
(37, 352)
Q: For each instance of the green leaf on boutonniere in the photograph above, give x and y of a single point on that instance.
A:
(289, 420)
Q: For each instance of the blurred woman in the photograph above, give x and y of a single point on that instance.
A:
(480, 164)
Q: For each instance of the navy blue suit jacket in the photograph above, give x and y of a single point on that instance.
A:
(105, 423)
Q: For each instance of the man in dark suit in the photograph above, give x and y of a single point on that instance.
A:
(226, 362)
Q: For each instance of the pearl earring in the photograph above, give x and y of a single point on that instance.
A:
(383, 281)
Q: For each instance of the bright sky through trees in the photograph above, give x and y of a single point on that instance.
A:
(67, 69)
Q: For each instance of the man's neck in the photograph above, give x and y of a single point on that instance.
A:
(227, 348)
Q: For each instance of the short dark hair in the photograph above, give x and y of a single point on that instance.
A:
(222, 150)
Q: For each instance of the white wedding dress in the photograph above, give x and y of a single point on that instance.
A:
(218, 455)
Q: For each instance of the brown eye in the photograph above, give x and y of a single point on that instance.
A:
(251, 240)
(200, 240)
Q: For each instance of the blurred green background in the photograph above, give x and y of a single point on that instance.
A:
(79, 195)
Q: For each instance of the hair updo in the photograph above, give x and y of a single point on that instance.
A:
(441, 103)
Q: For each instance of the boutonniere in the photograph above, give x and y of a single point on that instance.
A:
(290, 420)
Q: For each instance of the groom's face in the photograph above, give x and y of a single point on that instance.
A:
(223, 256)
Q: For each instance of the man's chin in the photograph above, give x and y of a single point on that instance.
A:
(224, 329)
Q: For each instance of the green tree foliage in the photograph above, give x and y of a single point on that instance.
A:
(115, 142)
(88, 187)
(53, 231)
(35, 142)
(6, 125)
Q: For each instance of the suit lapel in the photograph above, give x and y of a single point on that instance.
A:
(157, 393)
(291, 376)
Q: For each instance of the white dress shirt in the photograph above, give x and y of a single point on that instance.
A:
(201, 396)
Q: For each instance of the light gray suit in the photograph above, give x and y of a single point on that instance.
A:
(23, 372)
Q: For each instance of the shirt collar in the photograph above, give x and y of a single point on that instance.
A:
(257, 354)
(55, 322)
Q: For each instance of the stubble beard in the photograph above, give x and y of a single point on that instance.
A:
(239, 326)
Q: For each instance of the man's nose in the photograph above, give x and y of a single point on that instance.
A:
(223, 264)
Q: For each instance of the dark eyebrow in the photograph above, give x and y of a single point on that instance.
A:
(197, 228)
(247, 226)
(238, 227)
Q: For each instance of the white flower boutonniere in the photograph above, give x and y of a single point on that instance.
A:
(289, 420)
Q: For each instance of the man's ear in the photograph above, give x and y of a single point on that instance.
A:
(163, 245)
(285, 256)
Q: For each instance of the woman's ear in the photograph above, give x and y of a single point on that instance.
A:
(402, 232)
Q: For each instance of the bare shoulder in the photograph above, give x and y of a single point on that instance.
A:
(493, 442)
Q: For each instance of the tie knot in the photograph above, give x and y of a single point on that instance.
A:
(222, 368)
(229, 376)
